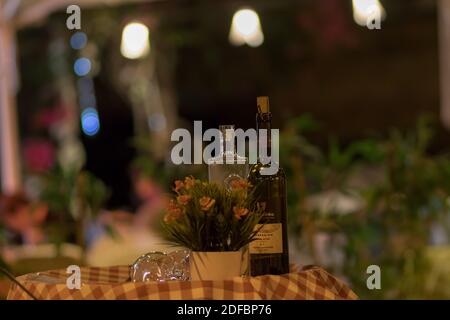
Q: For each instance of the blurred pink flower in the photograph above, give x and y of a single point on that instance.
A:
(26, 219)
(39, 155)
(50, 116)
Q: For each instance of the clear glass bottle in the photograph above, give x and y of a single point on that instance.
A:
(227, 165)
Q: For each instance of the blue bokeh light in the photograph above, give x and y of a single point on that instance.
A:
(90, 122)
(78, 40)
(82, 66)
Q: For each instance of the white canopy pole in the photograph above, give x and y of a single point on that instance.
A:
(10, 161)
(444, 47)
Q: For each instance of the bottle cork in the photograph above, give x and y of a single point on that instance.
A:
(263, 104)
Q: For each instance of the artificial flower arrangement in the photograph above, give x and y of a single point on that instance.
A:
(208, 217)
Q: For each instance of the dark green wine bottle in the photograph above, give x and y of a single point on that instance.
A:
(269, 253)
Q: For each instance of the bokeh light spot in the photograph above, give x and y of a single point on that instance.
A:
(82, 66)
(90, 122)
(78, 40)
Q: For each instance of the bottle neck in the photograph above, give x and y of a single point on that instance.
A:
(223, 148)
(227, 137)
(264, 122)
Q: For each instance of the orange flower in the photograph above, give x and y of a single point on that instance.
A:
(172, 206)
(184, 199)
(239, 184)
(240, 212)
(178, 185)
(189, 182)
(206, 203)
(174, 212)
(168, 218)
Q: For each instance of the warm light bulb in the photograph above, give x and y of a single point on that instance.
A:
(246, 22)
(246, 28)
(135, 41)
(364, 10)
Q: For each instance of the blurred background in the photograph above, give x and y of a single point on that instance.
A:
(363, 106)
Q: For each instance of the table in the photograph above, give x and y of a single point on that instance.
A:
(111, 283)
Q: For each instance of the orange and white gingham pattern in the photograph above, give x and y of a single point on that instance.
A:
(113, 283)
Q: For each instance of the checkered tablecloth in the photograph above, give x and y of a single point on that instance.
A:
(113, 283)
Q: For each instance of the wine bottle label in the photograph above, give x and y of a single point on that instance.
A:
(269, 239)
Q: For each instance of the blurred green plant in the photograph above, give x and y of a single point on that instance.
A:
(401, 212)
(74, 197)
(394, 226)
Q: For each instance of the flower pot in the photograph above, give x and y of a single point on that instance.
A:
(215, 265)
